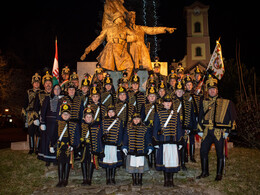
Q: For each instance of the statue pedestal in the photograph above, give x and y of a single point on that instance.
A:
(85, 67)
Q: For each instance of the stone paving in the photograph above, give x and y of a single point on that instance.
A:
(185, 183)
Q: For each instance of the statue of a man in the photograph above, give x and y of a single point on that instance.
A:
(115, 53)
(138, 49)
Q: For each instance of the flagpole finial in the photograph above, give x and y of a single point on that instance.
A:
(218, 40)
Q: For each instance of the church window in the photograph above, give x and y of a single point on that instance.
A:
(198, 51)
(197, 27)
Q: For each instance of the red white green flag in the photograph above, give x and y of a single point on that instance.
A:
(55, 69)
(216, 63)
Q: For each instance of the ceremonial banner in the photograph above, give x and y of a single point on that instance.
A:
(216, 62)
(55, 69)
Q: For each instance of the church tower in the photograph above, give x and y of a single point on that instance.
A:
(198, 40)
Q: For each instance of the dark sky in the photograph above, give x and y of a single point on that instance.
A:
(28, 30)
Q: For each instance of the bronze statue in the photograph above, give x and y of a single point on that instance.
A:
(138, 49)
(115, 53)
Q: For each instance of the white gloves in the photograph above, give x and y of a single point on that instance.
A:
(149, 152)
(43, 127)
(125, 151)
(225, 135)
(180, 147)
(26, 125)
(156, 146)
(200, 134)
(52, 150)
(70, 148)
(36, 122)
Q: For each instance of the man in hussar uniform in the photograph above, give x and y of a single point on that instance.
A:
(98, 77)
(29, 112)
(157, 72)
(108, 94)
(216, 118)
(136, 97)
(115, 54)
(47, 83)
(138, 49)
(65, 73)
(172, 79)
(85, 90)
(74, 78)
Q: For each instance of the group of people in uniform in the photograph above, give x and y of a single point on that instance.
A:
(108, 128)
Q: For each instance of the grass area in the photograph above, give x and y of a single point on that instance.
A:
(20, 173)
(23, 174)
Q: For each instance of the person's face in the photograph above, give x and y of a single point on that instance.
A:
(136, 120)
(125, 85)
(197, 77)
(108, 87)
(189, 86)
(65, 76)
(135, 86)
(100, 76)
(95, 98)
(84, 89)
(167, 105)
(71, 91)
(111, 113)
(88, 118)
(48, 86)
(173, 82)
(213, 92)
(179, 93)
(157, 70)
(122, 97)
(161, 92)
(75, 82)
(65, 116)
(151, 98)
(36, 85)
(56, 90)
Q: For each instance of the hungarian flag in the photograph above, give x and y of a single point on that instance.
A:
(55, 69)
(216, 64)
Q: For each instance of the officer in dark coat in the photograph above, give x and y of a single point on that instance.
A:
(29, 111)
(108, 94)
(216, 118)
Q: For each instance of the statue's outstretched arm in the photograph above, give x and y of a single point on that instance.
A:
(95, 44)
(157, 30)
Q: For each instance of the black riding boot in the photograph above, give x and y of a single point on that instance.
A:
(140, 179)
(220, 165)
(170, 180)
(60, 173)
(150, 160)
(165, 179)
(204, 168)
(84, 173)
(66, 174)
(108, 176)
(90, 172)
(31, 144)
(183, 154)
(192, 153)
(134, 178)
(113, 175)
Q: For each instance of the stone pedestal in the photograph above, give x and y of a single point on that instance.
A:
(85, 67)
(20, 145)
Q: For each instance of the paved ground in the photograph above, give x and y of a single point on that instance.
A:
(185, 183)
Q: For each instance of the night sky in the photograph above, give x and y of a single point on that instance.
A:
(28, 30)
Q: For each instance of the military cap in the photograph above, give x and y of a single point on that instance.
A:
(71, 85)
(36, 78)
(187, 79)
(99, 70)
(157, 64)
(74, 76)
(111, 107)
(179, 69)
(172, 75)
(136, 115)
(88, 110)
(161, 85)
(85, 81)
(151, 90)
(121, 90)
(46, 77)
(65, 107)
(167, 98)
(135, 79)
(65, 70)
(179, 85)
(94, 91)
(108, 80)
(197, 70)
(211, 82)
